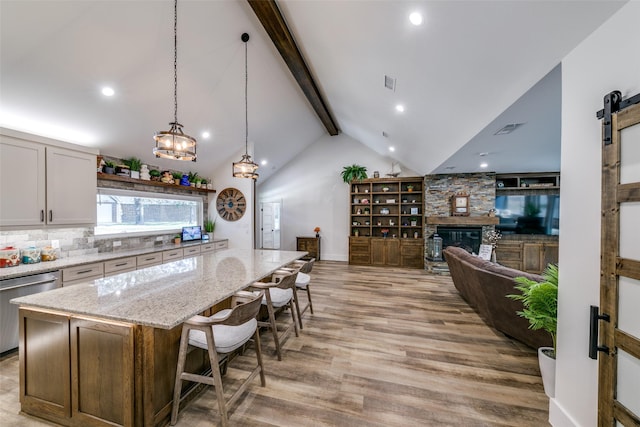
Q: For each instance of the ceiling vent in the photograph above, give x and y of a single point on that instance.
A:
(390, 83)
(508, 128)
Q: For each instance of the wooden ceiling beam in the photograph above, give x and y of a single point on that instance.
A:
(271, 19)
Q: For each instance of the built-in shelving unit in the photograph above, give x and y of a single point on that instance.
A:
(387, 222)
(528, 181)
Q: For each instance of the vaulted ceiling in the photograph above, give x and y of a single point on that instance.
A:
(456, 76)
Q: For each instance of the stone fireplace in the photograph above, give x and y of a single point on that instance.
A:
(468, 238)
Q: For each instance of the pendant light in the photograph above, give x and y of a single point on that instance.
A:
(245, 168)
(175, 144)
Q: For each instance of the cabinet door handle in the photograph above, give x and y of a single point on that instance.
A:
(149, 259)
(41, 215)
(84, 271)
(121, 264)
(50, 215)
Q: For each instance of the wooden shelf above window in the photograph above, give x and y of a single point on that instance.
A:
(111, 177)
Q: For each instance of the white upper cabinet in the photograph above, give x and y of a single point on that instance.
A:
(43, 184)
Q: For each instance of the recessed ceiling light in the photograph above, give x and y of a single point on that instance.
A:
(484, 165)
(107, 91)
(206, 135)
(416, 18)
(263, 163)
(392, 148)
(400, 108)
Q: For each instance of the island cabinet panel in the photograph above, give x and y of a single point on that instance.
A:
(44, 375)
(102, 376)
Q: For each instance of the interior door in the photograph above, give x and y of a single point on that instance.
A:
(270, 225)
(619, 363)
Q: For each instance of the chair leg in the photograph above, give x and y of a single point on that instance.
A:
(309, 298)
(217, 378)
(177, 388)
(256, 341)
(297, 303)
(274, 327)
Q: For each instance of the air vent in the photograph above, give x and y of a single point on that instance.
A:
(508, 128)
(390, 83)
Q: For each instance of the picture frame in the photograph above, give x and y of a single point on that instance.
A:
(460, 205)
(414, 211)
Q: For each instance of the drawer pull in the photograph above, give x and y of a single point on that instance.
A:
(150, 259)
(121, 264)
(84, 271)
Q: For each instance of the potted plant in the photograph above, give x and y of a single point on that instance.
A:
(134, 165)
(354, 173)
(209, 227)
(409, 188)
(155, 174)
(204, 183)
(177, 238)
(413, 221)
(177, 176)
(540, 303)
(198, 182)
(192, 178)
(109, 167)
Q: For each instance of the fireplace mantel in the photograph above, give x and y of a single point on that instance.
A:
(462, 220)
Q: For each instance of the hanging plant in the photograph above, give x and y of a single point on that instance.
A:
(354, 173)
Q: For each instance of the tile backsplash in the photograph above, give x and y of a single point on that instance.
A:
(77, 241)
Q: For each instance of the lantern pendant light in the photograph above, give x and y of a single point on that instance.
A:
(175, 144)
(245, 168)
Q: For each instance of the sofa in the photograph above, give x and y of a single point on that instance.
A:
(484, 285)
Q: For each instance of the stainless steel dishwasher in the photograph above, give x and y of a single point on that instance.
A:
(19, 287)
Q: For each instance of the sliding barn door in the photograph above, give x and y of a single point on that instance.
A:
(619, 348)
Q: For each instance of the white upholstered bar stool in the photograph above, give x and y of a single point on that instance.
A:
(222, 333)
(279, 294)
(303, 280)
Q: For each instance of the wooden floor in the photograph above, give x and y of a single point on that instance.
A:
(385, 347)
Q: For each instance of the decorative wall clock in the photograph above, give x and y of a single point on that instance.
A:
(231, 204)
(460, 205)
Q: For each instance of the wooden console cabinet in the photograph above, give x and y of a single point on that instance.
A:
(309, 244)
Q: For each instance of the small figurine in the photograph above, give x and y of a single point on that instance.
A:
(167, 178)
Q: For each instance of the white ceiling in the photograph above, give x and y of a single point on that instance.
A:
(456, 74)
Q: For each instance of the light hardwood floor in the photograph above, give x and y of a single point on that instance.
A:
(385, 347)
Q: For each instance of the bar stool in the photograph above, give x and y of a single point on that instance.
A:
(302, 283)
(279, 294)
(222, 333)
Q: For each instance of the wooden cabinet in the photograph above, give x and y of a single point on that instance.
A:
(172, 254)
(412, 253)
(548, 180)
(45, 185)
(309, 244)
(360, 250)
(536, 256)
(527, 255)
(148, 260)
(385, 252)
(388, 212)
(82, 273)
(120, 265)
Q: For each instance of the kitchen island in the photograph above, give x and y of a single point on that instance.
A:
(105, 352)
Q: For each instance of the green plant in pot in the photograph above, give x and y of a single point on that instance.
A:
(354, 173)
(134, 165)
(177, 176)
(540, 308)
(109, 167)
(210, 226)
(155, 174)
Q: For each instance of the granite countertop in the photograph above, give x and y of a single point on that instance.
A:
(166, 295)
(46, 266)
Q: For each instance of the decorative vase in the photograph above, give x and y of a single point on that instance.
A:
(184, 180)
(493, 256)
(547, 370)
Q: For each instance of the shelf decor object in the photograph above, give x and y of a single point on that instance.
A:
(245, 168)
(460, 205)
(175, 144)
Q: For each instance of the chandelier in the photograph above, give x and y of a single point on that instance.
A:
(175, 144)
(245, 168)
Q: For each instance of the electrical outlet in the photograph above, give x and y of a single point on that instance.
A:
(117, 243)
(55, 244)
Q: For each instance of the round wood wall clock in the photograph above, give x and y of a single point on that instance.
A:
(231, 204)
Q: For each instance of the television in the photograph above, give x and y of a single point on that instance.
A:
(191, 233)
(528, 214)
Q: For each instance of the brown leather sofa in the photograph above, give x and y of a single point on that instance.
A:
(484, 285)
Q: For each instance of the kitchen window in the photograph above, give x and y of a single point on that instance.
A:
(135, 212)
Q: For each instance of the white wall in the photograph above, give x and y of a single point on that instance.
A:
(313, 194)
(240, 232)
(607, 60)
